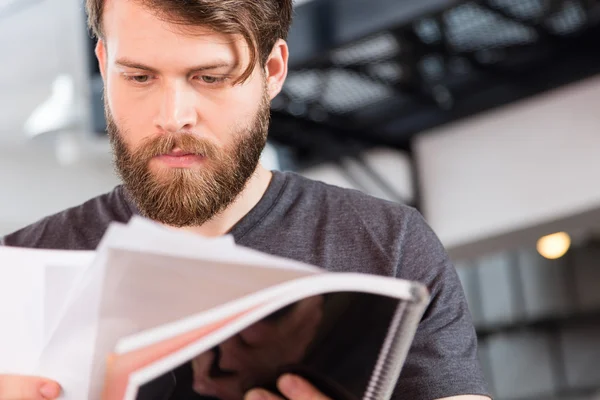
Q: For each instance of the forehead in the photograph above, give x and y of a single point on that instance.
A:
(132, 30)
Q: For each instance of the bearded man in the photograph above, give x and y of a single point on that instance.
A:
(188, 86)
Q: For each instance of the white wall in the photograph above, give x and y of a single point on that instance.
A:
(513, 168)
(392, 167)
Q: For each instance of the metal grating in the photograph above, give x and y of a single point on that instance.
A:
(370, 70)
(389, 72)
(471, 27)
(571, 18)
(432, 67)
(428, 30)
(450, 63)
(305, 85)
(346, 91)
(369, 50)
(337, 91)
(526, 10)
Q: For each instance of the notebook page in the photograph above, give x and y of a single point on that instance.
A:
(24, 291)
(148, 236)
(21, 297)
(146, 226)
(59, 281)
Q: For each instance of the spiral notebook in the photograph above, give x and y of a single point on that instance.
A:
(203, 319)
(348, 335)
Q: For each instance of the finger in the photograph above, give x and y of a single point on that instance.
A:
(260, 394)
(295, 388)
(27, 388)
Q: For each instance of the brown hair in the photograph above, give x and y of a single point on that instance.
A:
(260, 22)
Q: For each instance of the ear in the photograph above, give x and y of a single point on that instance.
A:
(276, 68)
(102, 58)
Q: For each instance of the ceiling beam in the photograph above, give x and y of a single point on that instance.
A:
(323, 25)
(535, 24)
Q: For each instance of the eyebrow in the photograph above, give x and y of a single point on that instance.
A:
(124, 62)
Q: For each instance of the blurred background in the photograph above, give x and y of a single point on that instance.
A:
(484, 115)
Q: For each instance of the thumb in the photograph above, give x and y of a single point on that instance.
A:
(15, 387)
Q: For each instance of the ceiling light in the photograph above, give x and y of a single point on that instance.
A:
(554, 246)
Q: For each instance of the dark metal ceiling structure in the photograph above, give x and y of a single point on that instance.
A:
(378, 72)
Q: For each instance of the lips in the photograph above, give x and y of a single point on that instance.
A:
(180, 153)
(180, 159)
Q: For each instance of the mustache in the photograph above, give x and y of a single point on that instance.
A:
(186, 142)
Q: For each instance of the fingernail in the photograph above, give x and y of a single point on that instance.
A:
(256, 394)
(49, 390)
(288, 384)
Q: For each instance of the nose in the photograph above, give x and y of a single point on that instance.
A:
(176, 112)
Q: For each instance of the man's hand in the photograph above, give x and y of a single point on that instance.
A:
(14, 387)
(292, 387)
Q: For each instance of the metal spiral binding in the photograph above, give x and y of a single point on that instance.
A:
(395, 348)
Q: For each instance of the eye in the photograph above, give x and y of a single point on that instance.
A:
(137, 79)
(140, 78)
(211, 80)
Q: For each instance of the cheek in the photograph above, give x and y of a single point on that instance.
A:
(235, 112)
(129, 114)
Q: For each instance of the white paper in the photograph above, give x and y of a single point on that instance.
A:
(147, 227)
(148, 236)
(59, 281)
(21, 297)
(23, 308)
(67, 354)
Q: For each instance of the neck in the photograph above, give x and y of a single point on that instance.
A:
(221, 224)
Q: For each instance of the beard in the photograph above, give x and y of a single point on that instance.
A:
(184, 197)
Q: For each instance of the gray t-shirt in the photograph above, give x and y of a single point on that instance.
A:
(339, 230)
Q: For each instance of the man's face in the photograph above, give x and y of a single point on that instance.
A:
(186, 138)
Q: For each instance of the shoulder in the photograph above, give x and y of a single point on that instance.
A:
(76, 228)
(373, 230)
(373, 226)
(347, 202)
